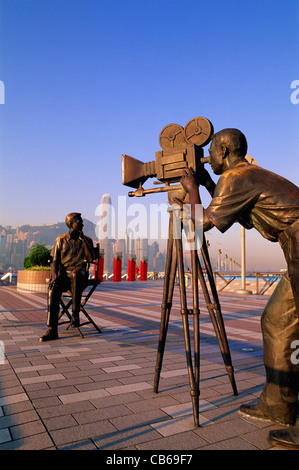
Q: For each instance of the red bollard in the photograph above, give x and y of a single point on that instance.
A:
(100, 270)
(143, 271)
(116, 269)
(131, 270)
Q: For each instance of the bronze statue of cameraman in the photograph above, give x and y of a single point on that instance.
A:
(256, 198)
(182, 147)
(260, 199)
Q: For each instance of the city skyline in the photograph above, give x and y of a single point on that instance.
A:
(261, 255)
(88, 81)
(16, 243)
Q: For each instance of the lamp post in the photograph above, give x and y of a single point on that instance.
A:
(243, 289)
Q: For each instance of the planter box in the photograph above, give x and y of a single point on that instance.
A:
(33, 281)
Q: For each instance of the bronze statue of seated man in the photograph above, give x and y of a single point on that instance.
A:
(71, 254)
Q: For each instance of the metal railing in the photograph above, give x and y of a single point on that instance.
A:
(263, 280)
(268, 279)
(6, 279)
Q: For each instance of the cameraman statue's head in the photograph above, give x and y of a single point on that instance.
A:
(74, 222)
(226, 147)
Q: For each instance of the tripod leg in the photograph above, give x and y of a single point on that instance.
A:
(193, 378)
(216, 315)
(169, 280)
(195, 391)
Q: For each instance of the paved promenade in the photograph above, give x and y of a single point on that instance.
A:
(97, 392)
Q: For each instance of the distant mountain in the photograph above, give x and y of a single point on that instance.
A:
(48, 233)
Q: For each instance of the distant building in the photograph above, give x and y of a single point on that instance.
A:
(141, 250)
(105, 234)
(159, 262)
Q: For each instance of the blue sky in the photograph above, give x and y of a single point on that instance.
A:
(88, 80)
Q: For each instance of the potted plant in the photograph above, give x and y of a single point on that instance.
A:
(36, 275)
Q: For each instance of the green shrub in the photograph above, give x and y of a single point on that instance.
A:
(39, 268)
(39, 256)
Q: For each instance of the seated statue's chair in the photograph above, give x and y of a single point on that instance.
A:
(86, 294)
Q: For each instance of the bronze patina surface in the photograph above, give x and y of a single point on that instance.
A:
(260, 199)
(71, 254)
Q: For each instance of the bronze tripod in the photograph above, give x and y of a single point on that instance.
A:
(174, 263)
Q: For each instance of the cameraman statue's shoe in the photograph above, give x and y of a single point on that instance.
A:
(287, 438)
(256, 411)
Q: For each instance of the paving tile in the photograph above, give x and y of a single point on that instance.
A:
(41, 378)
(40, 367)
(18, 418)
(116, 369)
(79, 445)
(5, 435)
(9, 400)
(152, 403)
(181, 441)
(138, 419)
(97, 392)
(37, 442)
(102, 360)
(21, 431)
(45, 402)
(135, 387)
(68, 409)
(82, 396)
(102, 414)
(60, 422)
(224, 430)
(259, 438)
(236, 443)
(112, 400)
(176, 411)
(5, 392)
(17, 408)
(174, 373)
(82, 432)
(178, 425)
(125, 438)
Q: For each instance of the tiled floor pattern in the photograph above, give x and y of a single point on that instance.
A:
(97, 392)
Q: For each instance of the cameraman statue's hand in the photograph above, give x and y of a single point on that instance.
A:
(189, 181)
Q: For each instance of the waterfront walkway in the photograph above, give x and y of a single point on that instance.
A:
(97, 392)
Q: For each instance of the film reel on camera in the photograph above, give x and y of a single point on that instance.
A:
(172, 137)
(198, 131)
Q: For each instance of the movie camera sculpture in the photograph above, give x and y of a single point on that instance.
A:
(182, 147)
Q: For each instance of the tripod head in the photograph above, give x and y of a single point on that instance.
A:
(181, 147)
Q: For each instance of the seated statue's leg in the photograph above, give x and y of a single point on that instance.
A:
(78, 281)
(54, 294)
